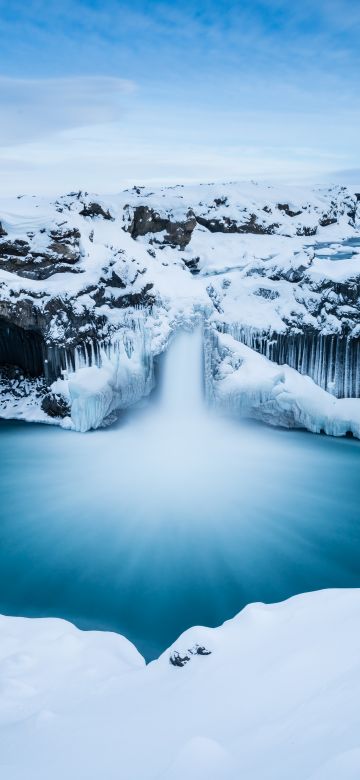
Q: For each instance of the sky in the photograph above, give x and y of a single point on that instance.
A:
(99, 95)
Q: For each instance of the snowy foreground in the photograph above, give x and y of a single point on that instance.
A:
(277, 698)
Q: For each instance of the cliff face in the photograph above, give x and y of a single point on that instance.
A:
(88, 283)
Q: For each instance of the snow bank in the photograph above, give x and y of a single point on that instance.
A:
(277, 698)
(240, 379)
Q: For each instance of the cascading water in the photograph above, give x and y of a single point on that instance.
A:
(182, 377)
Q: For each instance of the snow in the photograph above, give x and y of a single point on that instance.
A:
(277, 698)
(254, 386)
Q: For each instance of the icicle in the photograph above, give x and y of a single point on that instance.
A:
(333, 361)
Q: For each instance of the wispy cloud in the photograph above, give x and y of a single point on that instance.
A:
(30, 108)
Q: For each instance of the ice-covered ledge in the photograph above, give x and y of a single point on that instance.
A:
(277, 697)
(242, 380)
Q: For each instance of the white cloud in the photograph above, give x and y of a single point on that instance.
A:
(33, 108)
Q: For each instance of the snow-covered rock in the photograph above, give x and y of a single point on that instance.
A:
(276, 698)
(275, 267)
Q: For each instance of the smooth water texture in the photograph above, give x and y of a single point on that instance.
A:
(172, 517)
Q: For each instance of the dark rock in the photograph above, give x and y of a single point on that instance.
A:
(200, 650)
(17, 248)
(306, 231)
(145, 220)
(115, 281)
(285, 208)
(55, 405)
(69, 236)
(226, 225)
(2, 231)
(141, 298)
(63, 251)
(95, 210)
(66, 244)
(180, 660)
(325, 221)
(177, 660)
(133, 299)
(22, 348)
(193, 265)
(39, 317)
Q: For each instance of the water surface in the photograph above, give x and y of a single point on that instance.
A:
(337, 250)
(172, 517)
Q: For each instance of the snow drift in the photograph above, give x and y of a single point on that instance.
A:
(275, 697)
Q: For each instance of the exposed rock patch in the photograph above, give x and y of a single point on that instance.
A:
(287, 210)
(95, 210)
(145, 220)
(176, 659)
(29, 261)
(226, 225)
(55, 405)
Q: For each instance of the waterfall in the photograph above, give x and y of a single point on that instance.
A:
(182, 375)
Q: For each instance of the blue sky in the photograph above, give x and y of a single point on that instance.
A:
(101, 94)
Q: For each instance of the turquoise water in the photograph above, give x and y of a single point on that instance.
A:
(347, 249)
(172, 517)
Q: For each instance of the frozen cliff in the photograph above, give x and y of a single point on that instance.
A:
(91, 290)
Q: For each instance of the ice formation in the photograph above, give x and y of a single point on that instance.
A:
(241, 380)
(97, 382)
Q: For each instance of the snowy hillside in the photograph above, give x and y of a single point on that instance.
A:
(91, 290)
(271, 695)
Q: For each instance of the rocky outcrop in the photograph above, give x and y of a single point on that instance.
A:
(55, 405)
(146, 220)
(28, 260)
(93, 209)
(287, 210)
(143, 298)
(226, 225)
(179, 660)
(306, 231)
